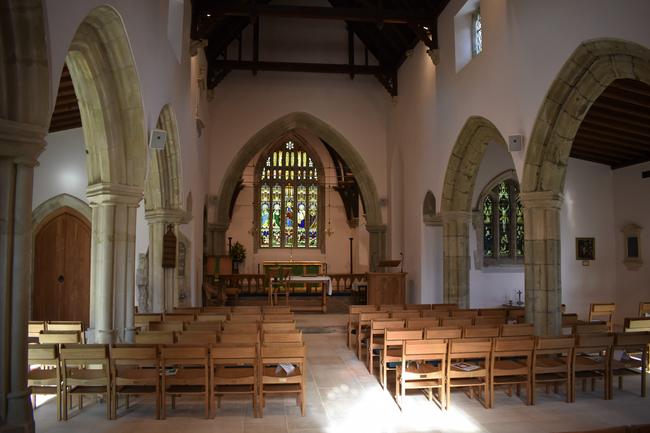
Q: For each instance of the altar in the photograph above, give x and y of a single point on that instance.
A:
(305, 278)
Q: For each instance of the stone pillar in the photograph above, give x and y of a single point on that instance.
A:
(217, 239)
(20, 145)
(456, 259)
(542, 260)
(163, 282)
(377, 245)
(112, 275)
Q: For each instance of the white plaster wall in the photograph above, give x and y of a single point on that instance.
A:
(632, 205)
(525, 44)
(588, 211)
(61, 167)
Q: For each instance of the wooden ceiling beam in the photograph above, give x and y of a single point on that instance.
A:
(608, 141)
(632, 86)
(625, 97)
(323, 68)
(617, 122)
(615, 109)
(605, 157)
(604, 132)
(587, 146)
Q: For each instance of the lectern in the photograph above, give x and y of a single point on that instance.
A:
(386, 287)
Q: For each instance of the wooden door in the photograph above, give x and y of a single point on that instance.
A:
(62, 268)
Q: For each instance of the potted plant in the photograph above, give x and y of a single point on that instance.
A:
(238, 255)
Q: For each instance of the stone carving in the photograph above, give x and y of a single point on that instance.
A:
(142, 282)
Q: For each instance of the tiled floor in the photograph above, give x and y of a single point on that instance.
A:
(343, 397)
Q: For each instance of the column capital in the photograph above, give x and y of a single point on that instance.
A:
(113, 194)
(542, 199)
(22, 141)
(376, 228)
(171, 216)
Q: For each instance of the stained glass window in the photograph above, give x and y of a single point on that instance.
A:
(503, 224)
(289, 198)
(477, 33)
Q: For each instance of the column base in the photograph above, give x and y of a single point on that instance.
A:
(20, 416)
(105, 336)
(129, 335)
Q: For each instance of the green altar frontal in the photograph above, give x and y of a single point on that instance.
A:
(298, 268)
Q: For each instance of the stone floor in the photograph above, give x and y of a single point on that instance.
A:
(343, 397)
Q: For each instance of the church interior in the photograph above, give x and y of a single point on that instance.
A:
(302, 216)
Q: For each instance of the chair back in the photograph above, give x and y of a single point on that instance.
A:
(636, 324)
(514, 346)
(405, 314)
(435, 314)
(203, 326)
(187, 310)
(240, 327)
(559, 345)
(481, 331)
(390, 307)
(241, 317)
(590, 328)
(34, 328)
(155, 337)
(174, 326)
(184, 356)
(425, 322)
(278, 326)
(44, 354)
(197, 337)
(396, 337)
(417, 307)
(443, 332)
(179, 317)
(217, 310)
(493, 312)
(65, 326)
(234, 354)
(465, 314)
(294, 337)
(142, 320)
(489, 321)
(85, 356)
(517, 330)
(60, 337)
(283, 353)
(644, 309)
(592, 343)
(457, 321)
(444, 307)
(210, 317)
(366, 318)
(239, 338)
(276, 309)
(278, 317)
(425, 350)
(602, 312)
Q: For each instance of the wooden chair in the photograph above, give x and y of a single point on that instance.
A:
(174, 326)
(516, 330)
(276, 309)
(636, 324)
(477, 375)
(419, 307)
(294, 337)
(512, 362)
(234, 371)
(187, 310)
(210, 317)
(423, 367)
(203, 326)
(135, 370)
(353, 319)
(590, 328)
(278, 326)
(481, 331)
(489, 321)
(275, 380)
(422, 323)
(179, 317)
(644, 309)
(278, 317)
(240, 317)
(405, 314)
(464, 314)
(240, 327)
(457, 321)
(65, 326)
(493, 312)
(247, 309)
(444, 307)
(202, 338)
(390, 307)
(34, 328)
(44, 373)
(553, 364)
(392, 350)
(85, 370)
(568, 321)
(363, 326)
(222, 310)
(142, 320)
(279, 284)
(516, 315)
(435, 314)
(443, 332)
(603, 312)
(60, 337)
(239, 338)
(592, 358)
(629, 357)
(376, 338)
(186, 371)
(155, 337)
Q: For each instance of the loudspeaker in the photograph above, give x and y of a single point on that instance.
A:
(515, 143)
(157, 139)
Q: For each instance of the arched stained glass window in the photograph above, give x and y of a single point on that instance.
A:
(477, 33)
(289, 197)
(503, 224)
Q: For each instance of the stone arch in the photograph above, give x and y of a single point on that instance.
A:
(62, 200)
(456, 207)
(107, 86)
(163, 208)
(268, 134)
(584, 76)
(429, 208)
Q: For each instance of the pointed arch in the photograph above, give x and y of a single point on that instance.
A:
(163, 184)
(107, 86)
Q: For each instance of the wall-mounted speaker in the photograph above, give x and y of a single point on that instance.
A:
(157, 139)
(515, 143)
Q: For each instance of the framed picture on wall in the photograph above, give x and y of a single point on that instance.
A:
(585, 249)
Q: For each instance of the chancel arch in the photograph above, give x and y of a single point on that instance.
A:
(269, 134)
(592, 67)
(107, 86)
(163, 209)
(456, 205)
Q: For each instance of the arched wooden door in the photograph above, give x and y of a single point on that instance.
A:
(62, 267)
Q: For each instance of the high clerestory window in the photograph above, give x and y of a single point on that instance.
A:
(477, 33)
(503, 224)
(289, 197)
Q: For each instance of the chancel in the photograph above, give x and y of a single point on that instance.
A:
(324, 215)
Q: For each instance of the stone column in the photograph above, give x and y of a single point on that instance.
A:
(20, 145)
(456, 259)
(163, 282)
(377, 245)
(217, 239)
(542, 260)
(112, 275)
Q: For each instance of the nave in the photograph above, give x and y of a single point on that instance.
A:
(343, 397)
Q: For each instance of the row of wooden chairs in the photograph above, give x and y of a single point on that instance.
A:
(143, 321)
(36, 327)
(161, 371)
(484, 363)
(267, 336)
